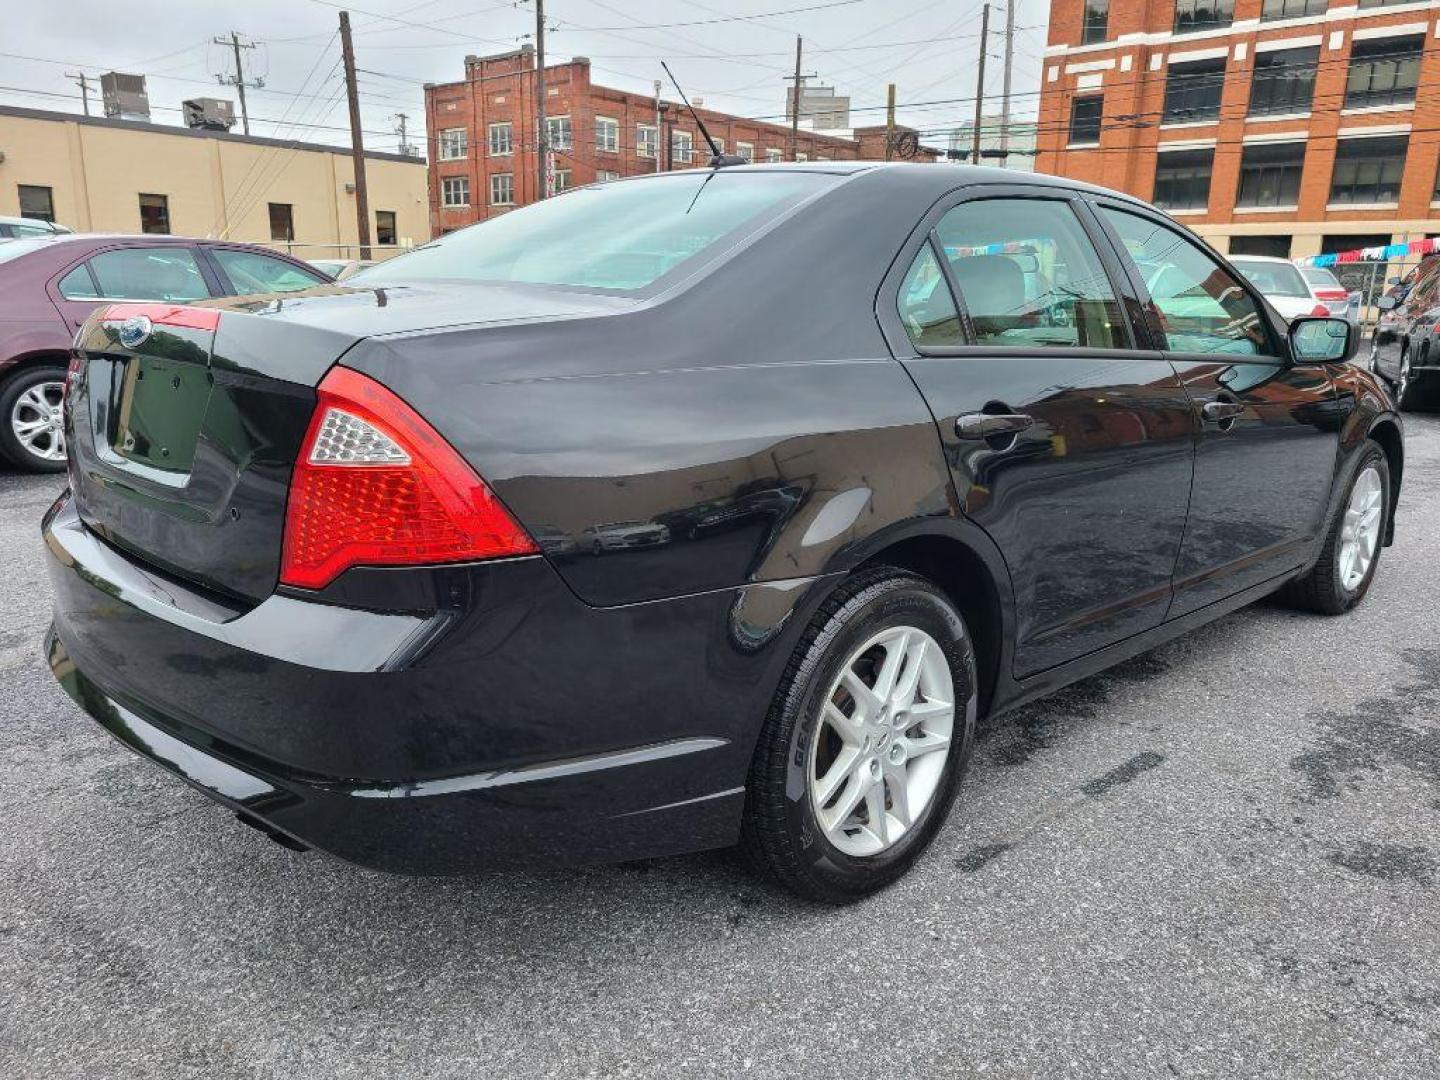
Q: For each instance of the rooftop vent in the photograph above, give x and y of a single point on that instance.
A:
(209, 114)
(125, 97)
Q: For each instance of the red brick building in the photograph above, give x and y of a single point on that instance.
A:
(1284, 127)
(482, 136)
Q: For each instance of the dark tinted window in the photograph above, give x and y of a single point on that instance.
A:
(1182, 179)
(1368, 170)
(36, 202)
(1097, 21)
(1383, 72)
(1192, 90)
(250, 272)
(621, 236)
(168, 273)
(1029, 276)
(385, 226)
(926, 307)
(1278, 246)
(282, 221)
(1085, 114)
(1195, 15)
(155, 214)
(1291, 9)
(1270, 174)
(1284, 81)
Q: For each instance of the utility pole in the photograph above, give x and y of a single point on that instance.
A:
(890, 122)
(84, 82)
(238, 79)
(980, 85)
(357, 140)
(795, 114)
(1005, 85)
(402, 119)
(658, 129)
(542, 136)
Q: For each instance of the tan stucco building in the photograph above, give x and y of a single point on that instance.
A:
(101, 175)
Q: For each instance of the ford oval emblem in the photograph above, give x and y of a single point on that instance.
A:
(134, 331)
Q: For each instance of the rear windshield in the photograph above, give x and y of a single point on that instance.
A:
(1318, 275)
(620, 237)
(1273, 278)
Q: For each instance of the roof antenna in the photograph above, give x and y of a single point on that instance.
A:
(717, 159)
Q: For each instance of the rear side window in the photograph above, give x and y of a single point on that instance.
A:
(926, 307)
(250, 272)
(78, 285)
(1203, 307)
(1029, 276)
(168, 273)
(620, 237)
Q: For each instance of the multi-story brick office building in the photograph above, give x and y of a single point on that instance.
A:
(1286, 127)
(483, 145)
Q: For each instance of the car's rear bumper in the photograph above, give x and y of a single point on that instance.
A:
(519, 725)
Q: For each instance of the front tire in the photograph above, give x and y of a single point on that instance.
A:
(1408, 395)
(866, 741)
(31, 434)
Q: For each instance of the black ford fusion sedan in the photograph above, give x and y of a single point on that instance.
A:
(688, 511)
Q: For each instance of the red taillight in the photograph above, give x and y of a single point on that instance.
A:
(1331, 294)
(375, 485)
(1321, 310)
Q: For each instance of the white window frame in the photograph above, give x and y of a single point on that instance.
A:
(567, 183)
(647, 141)
(565, 139)
(610, 127)
(494, 183)
(604, 176)
(682, 147)
(746, 150)
(509, 130)
(454, 183)
(800, 155)
(454, 144)
(773, 156)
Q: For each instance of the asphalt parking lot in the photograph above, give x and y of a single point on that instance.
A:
(1220, 859)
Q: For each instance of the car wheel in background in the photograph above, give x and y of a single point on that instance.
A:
(866, 740)
(1342, 575)
(32, 435)
(1408, 395)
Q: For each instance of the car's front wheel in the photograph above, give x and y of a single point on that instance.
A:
(866, 741)
(1408, 394)
(32, 433)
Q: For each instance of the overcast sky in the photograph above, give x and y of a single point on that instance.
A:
(927, 47)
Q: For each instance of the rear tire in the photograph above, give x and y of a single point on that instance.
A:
(27, 398)
(796, 826)
(1336, 583)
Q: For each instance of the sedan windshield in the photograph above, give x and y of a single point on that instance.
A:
(619, 236)
(1273, 278)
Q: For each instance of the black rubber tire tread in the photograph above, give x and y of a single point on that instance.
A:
(11, 452)
(767, 844)
(1319, 589)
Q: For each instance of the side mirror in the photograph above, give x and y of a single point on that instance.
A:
(1322, 341)
(1386, 303)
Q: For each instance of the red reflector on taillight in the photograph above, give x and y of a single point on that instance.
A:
(375, 485)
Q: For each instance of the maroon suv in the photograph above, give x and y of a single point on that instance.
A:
(48, 285)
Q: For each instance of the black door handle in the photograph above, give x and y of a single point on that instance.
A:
(1219, 411)
(981, 425)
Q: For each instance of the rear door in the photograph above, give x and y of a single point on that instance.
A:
(1069, 440)
(171, 273)
(1268, 429)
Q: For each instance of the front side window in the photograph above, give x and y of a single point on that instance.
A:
(558, 133)
(160, 273)
(1182, 179)
(37, 202)
(1383, 72)
(1368, 170)
(385, 226)
(619, 237)
(454, 144)
(1085, 113)
(647, 138)
(1096, 21)
(251, 272)
(1192, 91)
(502, 189)
(502, 139)
(155, 214)
(1194, 16)
(1203, 308)
(1270, 174)
(282, 221)
(455, 191)
(927, 310)
(1284, 81)
(607, 135)
(1028, 275)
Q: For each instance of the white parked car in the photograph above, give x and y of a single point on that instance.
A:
(13, 228)
(1295, 290)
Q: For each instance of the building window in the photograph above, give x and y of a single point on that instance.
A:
(502, 139)
(1291, 9)
(454, 144)
(37, 202)
(647, 138)
(1376, 4)
(607, 135)
(1368, 170)
(773, 156)
(455, 191)
(557, 133)
(1383, 72)
(1085, 113)
(1192, 91)
(802, 157)
(682, 147)
(282, 221)
(1284, 81)
(719, 145)
(1270, 174)
(604, 176)
(502, 189)
(1097, 22)
(562, 180)
(1182, 179)
(1276, 247)
(155, 214)
(385, 227)
(745, 150)
(1193, 16)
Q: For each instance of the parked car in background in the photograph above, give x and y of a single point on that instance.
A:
(13, 228)
(1331, 291)
(340, 269)
(1400, 286)
(980, 455)
(50, 284)
(1405, 346)
(1290, 290)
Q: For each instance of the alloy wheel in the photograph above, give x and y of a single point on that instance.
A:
(879, 750)
(1360, 531)
(37, 421)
